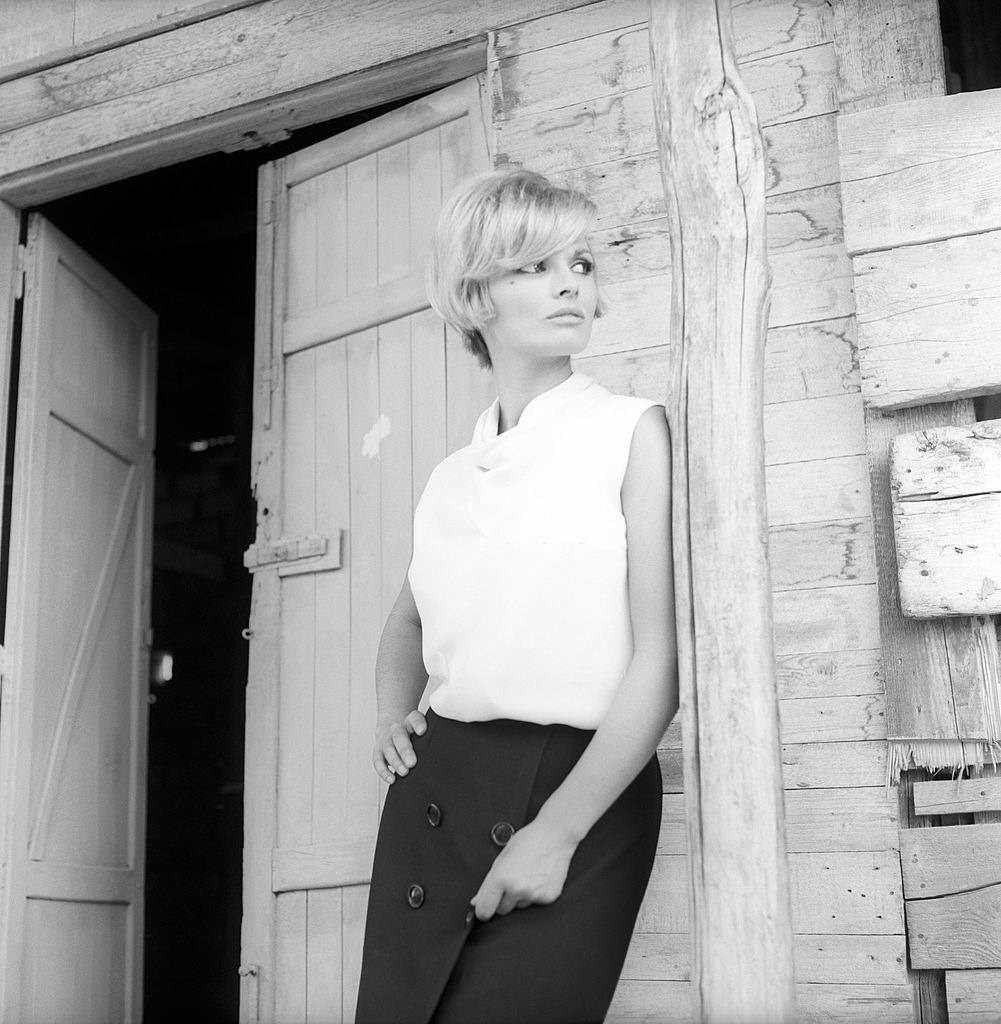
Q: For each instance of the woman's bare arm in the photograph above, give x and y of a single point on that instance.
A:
(532, 867)
(400, 678)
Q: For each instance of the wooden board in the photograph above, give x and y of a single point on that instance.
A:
(36, 35)
(946, 487)
(958, 796)
(958, 931)
(878, 960)
(957, 858)
(896, 160)
(974, 997)
(928, 321)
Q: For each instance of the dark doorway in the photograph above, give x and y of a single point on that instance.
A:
(971, 37)
(184, 240)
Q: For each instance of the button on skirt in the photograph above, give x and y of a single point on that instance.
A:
(426, 959)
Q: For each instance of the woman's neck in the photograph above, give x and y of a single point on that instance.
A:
(516, 387)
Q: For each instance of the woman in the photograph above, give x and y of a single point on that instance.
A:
(521, 823)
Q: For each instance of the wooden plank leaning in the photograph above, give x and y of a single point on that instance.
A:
(712, 165)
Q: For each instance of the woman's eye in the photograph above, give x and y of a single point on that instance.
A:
(532, 268)
(588, 265)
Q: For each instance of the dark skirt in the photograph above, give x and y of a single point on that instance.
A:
(426, 959)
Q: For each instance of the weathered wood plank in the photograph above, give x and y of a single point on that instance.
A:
(832, 674)
(942, 861)
(840, 893)
(832, 719)
(887, 52)
(844, 820)
(817, 428)
(666, 1002)
(760, 27)
(712, 159)
(928, 321)
(611, 115)
(39, 35)
(974, 996)
(854, 764)
(812, 491)
(949, 557)
(826, 619)
(811, 360)
(895, 159)
(844, 959)
(957, 931)
(947, 461)
(809, 218)
(821, 554)
(958, 796)
(800, 155)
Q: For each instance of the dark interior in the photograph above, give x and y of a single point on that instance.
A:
(971, 37)
(184, 240)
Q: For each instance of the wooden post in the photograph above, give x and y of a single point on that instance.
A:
(712, 164)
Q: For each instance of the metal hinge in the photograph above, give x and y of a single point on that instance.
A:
(250, 975)
(295, 555)
(20, 271)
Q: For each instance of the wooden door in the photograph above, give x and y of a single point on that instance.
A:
(361, 391)
(73, 720)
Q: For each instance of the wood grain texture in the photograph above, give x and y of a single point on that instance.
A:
(974, 996)
(957, 931)
(888, 52)
(958, 796)
(712, 163)
(896, 160)
(954, 859)
(928, 321)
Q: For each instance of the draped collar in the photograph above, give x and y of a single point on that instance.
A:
(492, 447)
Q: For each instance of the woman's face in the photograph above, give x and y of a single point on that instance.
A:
(545, 308)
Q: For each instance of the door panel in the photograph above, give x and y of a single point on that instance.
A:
(373, 392)
(73, 733)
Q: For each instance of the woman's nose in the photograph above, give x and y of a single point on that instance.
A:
(567, 283)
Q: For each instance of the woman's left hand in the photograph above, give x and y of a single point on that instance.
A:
(532, 868)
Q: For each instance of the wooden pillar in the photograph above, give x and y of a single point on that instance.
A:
(712, 164)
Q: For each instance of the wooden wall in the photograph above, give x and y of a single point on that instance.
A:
(842, 822)
(44, 32)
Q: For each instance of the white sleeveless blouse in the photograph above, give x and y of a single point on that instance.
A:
(519, 562)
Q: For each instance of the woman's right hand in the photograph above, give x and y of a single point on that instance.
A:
(394, 753)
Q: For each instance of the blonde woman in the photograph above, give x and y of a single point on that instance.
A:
(522, 818)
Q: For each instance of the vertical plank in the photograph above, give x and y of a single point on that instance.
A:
(331, 230)
(324, 991)
(427, 338)
(302, 247)
(355, 905)
(365, 533)
(713, 167)
(331, 725)
(290, 958)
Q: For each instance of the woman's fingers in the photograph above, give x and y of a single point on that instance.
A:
(394, 753)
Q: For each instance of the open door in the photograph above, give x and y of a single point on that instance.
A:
(360, 392)
(73, 718)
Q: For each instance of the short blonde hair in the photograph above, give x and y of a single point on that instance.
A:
(496, 221)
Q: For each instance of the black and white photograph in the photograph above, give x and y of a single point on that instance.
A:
(500, 518)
